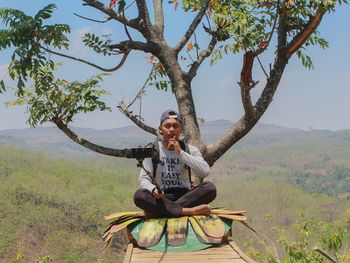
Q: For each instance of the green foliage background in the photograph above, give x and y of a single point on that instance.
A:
(52, 208)
(55, 207)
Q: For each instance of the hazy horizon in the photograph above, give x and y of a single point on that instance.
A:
(133, 125)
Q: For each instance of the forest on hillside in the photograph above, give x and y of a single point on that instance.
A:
(52, 207)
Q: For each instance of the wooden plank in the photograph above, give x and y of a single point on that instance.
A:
(169, 254)
(203, 258)
(128, 254)
(189, 253)
(184, 255)
(243, 256)
(220, 254)
(221, 248)
(193, 260)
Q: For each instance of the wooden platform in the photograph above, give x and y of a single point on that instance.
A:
(227, 252)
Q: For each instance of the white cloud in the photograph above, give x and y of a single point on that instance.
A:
(77, 47)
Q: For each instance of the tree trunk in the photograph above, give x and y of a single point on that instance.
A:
(181, 85)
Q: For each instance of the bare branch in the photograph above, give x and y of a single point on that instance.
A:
(159, 16)
(189, 55)
(215, 33)
(247, 122)
(121, 63)
(134, 23)
(208, 20)
(234, 134)
(281, 30)
(192, 27)
(91, 146)
(145, 22)
(247, 83)
(196, 44)
(262, 67)
(135, 45)
(141, 90)
(93, 20)
(301, 38)
(127, 32)
(324, 253)
(270, 88)
(122, 107)
(202, 56)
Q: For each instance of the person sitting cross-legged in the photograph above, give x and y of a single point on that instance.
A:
(175, 196)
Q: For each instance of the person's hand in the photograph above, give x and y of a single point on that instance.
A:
(174, 146)
(157, 194)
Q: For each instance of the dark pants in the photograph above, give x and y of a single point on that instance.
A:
(174, 200)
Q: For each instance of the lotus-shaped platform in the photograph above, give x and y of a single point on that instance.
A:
(184, 239)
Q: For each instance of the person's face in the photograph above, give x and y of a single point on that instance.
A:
(170, 128)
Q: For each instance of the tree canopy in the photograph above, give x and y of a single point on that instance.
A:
(252, 28)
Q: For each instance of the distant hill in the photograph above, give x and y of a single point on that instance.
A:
(45, 200)
(274, 173)
(52, 140)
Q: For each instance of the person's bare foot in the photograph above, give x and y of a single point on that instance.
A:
(197, 210)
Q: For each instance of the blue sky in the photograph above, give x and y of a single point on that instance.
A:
(306, 99)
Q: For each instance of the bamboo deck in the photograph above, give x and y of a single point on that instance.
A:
(227, 252)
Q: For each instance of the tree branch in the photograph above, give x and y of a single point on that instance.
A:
(127, 32)
(159, 16)
(192, 27)
(139, 94)
(93, 20)
(202, 56)
(91, 146)
(324, 253)
(261, 65)
(134, 23)
(303, 35)
(122, 107)
(281, 31)
(215, 150)
(246, 123)
(135, 45)
(196, 44)
(247, 83)
(146, 27)
(121, 63)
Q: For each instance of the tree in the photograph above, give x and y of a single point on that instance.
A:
(252, 27)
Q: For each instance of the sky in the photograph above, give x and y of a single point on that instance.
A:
(306, 99)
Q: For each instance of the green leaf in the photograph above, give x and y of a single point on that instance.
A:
(121, 5)
(2, 86)
(200, 120)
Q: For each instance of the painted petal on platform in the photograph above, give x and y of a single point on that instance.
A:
(116, 228)
(121, 214)
(124, 219)
(177, 231)
(233, 217)
(211, 225)
(228, 212)
(151, 232)
(202, 237)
